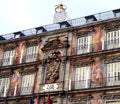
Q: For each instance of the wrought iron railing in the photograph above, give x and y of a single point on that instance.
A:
(26, 90)
(101, 82)
(4, 92)
(82, 49)
(87, 48)
(7, 61)
(30, 58)
(74, 85)
(16, 92)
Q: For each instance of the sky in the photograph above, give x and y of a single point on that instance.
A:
(17, 15)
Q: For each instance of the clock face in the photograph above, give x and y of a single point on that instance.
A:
(60, 16)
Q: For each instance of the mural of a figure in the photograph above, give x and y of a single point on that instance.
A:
(97, 39)
(97, 70)
(96, 99)
(14, 83)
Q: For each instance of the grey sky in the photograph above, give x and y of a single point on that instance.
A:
(16, 15)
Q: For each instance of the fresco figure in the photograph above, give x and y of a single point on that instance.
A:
(97, 39)
(97, 72)
(14, 84)
(96, 99)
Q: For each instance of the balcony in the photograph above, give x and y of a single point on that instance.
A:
(16, 92)
(7, 61)
(88, 48)
(16, 60)
(4, 92)
(30, 58)
(101, 83)
(26, 90)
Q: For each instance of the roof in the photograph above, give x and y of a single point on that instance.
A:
(69, 23)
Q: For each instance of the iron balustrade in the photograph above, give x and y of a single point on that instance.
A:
(4, 92)
(82, 49)
(30, 58)
(26, 90)
(87, 48)
(75, 85)
(7, 61)
(101, 82)
(17, 92)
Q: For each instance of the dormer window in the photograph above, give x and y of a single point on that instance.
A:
(18, 34)
(64, 24)
(90, 19)
(40, 30)
(116, 12)
(2, 38)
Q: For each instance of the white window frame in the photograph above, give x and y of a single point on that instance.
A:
(113, 74)
(83, 44)
(113, 39)
(27, 84)
(8, 57)
(82, 77)
(31, 53)
(4, 86)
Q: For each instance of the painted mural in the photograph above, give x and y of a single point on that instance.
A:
(14, 83)
(19, 53)
(97, 99)
(97, 70)
(97, 39)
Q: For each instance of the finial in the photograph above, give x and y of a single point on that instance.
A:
(60, 7)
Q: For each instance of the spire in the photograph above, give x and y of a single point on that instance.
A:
(60, 13)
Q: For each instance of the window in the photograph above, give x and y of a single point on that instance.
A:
(8, 58)
(113, 39)
(4, 86)
(27, 84)
(31, 53)
(113, 74)
(82, 76)
(83, 45)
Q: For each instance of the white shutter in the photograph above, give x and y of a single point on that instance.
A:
(110, 40)
(31, 53)
(113, 71)
(4, 86)
(83, 45)
(27, 84)
(119, 38)
(81, 80)
(12, 53)
(8, 57)
(113, 39)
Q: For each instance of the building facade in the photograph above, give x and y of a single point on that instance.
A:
(69, 62)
